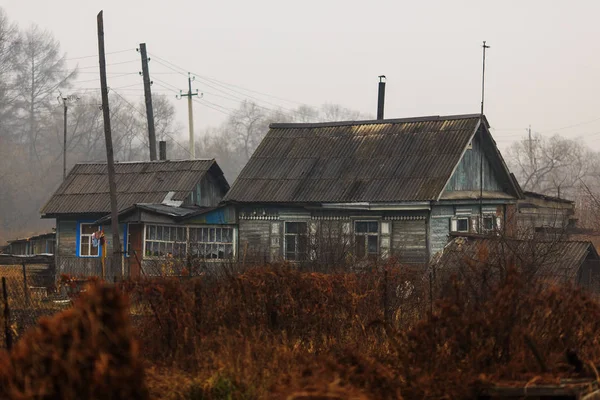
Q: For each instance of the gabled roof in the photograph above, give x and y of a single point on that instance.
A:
(174, 212)
(557, 261)
(85, 190)
(360, 161)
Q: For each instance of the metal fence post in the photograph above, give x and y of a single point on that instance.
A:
(26, 286)
(386, 318)
(7, 332)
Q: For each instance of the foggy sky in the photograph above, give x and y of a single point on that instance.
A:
(542, 66)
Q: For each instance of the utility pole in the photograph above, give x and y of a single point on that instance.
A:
(64, 101)
(110, 163)
(148, 97)
(530, 146)
(189, 95)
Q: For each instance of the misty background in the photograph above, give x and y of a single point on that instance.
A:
(267, 61)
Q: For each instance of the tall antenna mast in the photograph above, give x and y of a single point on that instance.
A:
(480, 227)
(483, 77)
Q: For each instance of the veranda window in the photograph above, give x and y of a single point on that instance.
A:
(213, 243)
(162, 240)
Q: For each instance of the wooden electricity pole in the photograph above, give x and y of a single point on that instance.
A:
(64, 102)
(148, 97)
(110, 164)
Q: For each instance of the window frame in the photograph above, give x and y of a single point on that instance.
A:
(366, 235)
(208, 242)
(465, 218)
(188, 243)
(80, 234)
(296, 235)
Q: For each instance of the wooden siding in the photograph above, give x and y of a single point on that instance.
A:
(66, 231)
(466, 177)
(208, 193)
(439, 230)
(66, 236)
(255, 237)
(409, 241)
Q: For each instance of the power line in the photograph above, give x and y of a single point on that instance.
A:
(95, 66)
(144, 115)
(96, 55)
(199, 101)
(112, 77)
(231, 84)
(175, 68)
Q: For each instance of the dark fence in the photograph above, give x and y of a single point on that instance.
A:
(395, 297)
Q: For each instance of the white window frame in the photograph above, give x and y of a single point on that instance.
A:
(187, 240)
(147, 239)
(91, 247)
(191, 244)
(454, 227)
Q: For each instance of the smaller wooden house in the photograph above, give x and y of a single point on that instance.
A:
(164, 209)
(38, 244)
(539, 213)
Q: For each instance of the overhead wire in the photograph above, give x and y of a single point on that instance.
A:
(144, 115)
(208, 81)
(96, 55)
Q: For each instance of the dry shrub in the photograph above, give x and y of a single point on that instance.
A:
(519, 330)
(86, 352)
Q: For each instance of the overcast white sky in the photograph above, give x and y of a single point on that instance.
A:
(542, 67)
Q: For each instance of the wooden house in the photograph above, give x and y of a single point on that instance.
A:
(38, 244)
(371, 189)
(539, 213)
(165, 208)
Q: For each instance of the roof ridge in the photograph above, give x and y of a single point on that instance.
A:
(291, 125)
(143, 162)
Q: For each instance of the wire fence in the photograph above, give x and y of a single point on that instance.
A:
(392, 295)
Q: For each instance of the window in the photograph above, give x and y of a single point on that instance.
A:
(489, 223)
(462, 225)
(366, 239)
(86, 244)
(296, 241)
(164, 240)
(211, 243)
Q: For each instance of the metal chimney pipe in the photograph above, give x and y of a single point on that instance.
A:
(381, 97)
(162, 150)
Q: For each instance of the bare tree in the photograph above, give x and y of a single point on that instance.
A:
(41, 72)
(9, 50)
(553, 166)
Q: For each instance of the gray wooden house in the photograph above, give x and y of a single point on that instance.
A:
(371, 189)
(166, 208)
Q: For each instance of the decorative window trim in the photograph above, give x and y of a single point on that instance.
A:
(454, 224)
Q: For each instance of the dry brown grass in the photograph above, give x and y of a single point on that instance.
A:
(275, 332)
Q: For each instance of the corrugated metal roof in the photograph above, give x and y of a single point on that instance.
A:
(386, 160)
(85, 190)
(557, 261)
